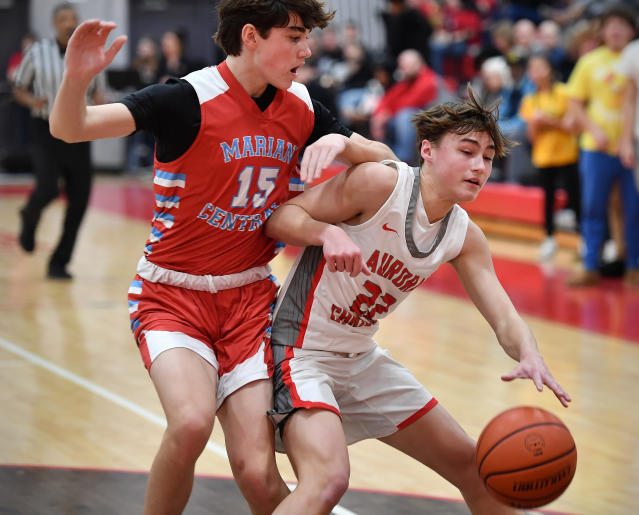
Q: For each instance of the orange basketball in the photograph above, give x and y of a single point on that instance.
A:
(526, 457)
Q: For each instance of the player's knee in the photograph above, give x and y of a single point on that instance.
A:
(260, 483)
(334, 488)
(324, 486)
(189, 433)
(254, 470)
(464, 467)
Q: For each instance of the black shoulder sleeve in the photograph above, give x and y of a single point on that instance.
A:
(171, 112)
(325, 123)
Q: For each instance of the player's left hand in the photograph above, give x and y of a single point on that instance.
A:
(86, 53)
(533, 367)
(342, 254)
(320, 155)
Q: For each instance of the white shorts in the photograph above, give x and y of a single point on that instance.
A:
(374, 395)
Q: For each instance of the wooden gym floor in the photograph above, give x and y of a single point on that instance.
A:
(80, 421)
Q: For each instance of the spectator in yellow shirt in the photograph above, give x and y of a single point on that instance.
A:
(596, 91)
(629, 147)
(555, 152)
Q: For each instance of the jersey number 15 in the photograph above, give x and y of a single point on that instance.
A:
(265, 184)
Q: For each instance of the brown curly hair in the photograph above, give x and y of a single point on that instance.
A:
(264, 15)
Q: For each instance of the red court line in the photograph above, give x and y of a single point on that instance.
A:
(15, 189)
(609, 308)
(230, 478)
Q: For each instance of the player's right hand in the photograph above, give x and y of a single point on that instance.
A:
(342, 254)
(86, 54)
(532, 367)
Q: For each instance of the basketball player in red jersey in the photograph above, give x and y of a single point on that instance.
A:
(333, 384)
(227, 145)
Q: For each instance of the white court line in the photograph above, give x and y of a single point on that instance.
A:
(338, 510)
(98, 390)
(115, 398)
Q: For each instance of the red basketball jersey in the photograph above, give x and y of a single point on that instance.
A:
(212, 202)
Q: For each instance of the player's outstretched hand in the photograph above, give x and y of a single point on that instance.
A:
(342, 254)
(86, 54)
(320, 155)
(533, 367)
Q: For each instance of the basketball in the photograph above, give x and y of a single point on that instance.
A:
(526, 457)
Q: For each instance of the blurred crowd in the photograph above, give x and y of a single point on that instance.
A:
(562, 108)
(523, 54)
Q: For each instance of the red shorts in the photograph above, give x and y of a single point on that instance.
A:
(230, 328)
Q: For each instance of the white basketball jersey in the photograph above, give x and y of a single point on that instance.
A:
(333, 311)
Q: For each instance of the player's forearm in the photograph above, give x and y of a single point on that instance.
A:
(69, 112)
(515, 337)
(360, 150)
(291, 224)
(72, 120)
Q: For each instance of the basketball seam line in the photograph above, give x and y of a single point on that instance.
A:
(514, 433)
(574, 448)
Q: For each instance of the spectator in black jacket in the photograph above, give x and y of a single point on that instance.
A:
(406, 28)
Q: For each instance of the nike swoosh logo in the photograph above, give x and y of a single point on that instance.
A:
(386, 228)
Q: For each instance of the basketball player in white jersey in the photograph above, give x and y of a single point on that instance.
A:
(333, 384)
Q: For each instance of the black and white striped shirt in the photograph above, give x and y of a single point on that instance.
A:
(41, 72)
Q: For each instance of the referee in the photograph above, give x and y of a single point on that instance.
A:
(35, 86)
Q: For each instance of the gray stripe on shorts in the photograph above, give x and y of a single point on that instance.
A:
(286, 326)
(408, 224)
(282, 400)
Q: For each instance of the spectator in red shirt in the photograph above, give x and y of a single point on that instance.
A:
(16, 57)
(418, 88)
(460, 35)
